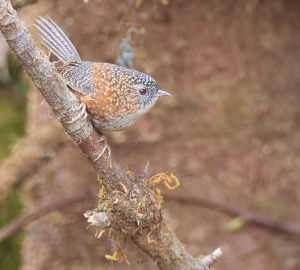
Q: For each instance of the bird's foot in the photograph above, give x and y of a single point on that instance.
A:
(103, 150)
(82, 111)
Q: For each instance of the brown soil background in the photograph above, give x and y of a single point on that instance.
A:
(230, 130)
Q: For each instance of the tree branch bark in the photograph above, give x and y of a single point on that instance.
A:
(127, 200)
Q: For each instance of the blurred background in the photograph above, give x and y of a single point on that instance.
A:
(230, 132)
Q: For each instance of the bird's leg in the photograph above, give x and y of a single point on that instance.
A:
(105, 147)
(82, 111)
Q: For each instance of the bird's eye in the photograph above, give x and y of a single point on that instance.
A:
(143, 91)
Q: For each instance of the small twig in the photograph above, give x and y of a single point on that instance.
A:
(210, 259)
(33, 215)
(251, 217)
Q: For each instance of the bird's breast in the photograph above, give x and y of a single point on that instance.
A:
(115, 123)
(109, 113)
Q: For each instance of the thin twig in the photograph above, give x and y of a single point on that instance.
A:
(33, 215)
(251, 217)
(212, 258)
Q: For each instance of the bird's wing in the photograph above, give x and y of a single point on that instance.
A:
(79, 76)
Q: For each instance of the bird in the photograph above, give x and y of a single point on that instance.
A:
(112, 97)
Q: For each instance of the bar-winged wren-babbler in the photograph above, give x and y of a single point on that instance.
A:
(112, 96)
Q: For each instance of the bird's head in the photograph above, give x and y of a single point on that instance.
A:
(143, 91)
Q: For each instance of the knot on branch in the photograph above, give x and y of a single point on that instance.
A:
(130, 211)
(97, 218)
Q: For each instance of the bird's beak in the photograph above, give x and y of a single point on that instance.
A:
(161, 93)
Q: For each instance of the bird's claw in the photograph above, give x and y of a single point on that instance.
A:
(82, 111)
(105, 148)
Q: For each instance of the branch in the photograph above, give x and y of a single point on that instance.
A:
(126, 199)
(249, 216)
(17, 223)
(212, 258)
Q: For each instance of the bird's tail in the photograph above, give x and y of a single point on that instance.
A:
(57, 41)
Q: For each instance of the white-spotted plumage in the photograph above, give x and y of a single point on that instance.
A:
(115, 97)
